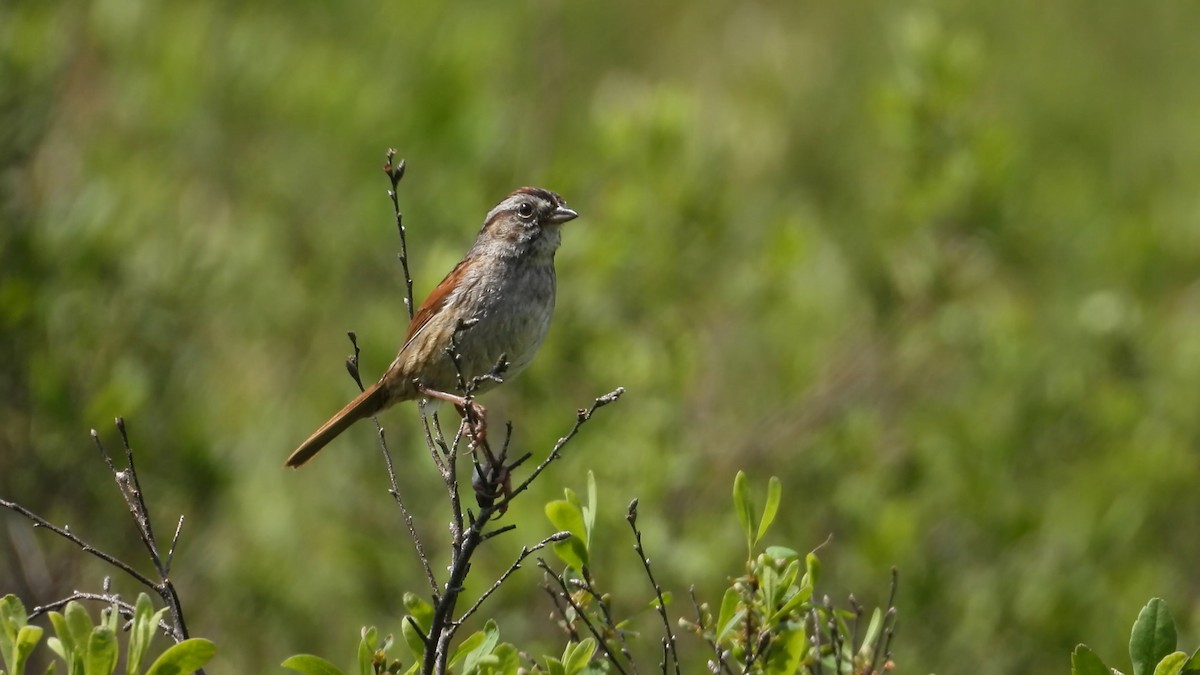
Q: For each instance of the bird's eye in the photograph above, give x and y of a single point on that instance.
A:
(525, 210)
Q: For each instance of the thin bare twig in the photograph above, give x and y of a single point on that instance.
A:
(582, 416)
(65, 533)
(394, 484)
(126, 609)
(669, 649)
(526, 551)
(395, 172)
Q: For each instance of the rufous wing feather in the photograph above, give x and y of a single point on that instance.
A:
(366, 404)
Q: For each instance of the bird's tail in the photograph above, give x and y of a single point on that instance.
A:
(368, 403)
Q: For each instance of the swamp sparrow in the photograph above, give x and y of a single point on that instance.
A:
(496, 303)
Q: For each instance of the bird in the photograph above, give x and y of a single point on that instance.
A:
(496, 304)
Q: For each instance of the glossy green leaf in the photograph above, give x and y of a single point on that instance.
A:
(310, 665)
(101, 656)
(1153, 637)
(184, 657)
(774, 493)
(1171, 664)
(745, 509)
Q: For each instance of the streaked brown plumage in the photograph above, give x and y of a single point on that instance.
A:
(503, 289)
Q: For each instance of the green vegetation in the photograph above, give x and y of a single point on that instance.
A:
(89, 649)
(935, 266)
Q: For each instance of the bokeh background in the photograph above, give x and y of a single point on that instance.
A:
(935, 264)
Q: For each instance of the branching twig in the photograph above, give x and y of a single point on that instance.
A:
(565, 594)
(586, 585)
(65, 533)
(126, 609)
(582, 416)
(526, 551)
(669, 648)
(131, 490)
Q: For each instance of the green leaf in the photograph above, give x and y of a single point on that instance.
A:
(12, 620)
(367, 645)
(572, 497)
(507, 660)
(774, 492)
(767, 584)
(141, 633)
(793, 602)
(577, 655)
(79, 623)
(310, 665)
(101, 652)
(729, 604)
(413, 639)
(185, 657)
(666, 596)
(873, 629)
(471, 643)
(812, 570)
(491, 636)
(782, 553)
(1193, 664)
(572, 551)
(1153, 637)
(566, 517)
(554, 666)
(65, 642)
(786, 652)
(745, 510)
(1172, 664)
(589, 511)
(27, 639)
(420, 610)
(1085, 662)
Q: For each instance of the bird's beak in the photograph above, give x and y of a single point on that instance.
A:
(562, 214)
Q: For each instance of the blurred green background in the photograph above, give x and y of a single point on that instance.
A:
(936, 265)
